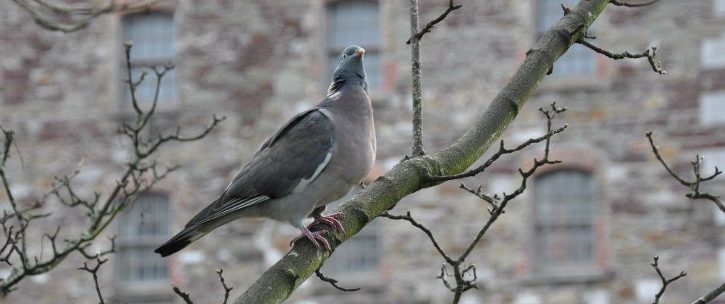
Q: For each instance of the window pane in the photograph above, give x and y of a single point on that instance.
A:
(353, 22)
(152, 35)
(564, 213)
(142, 227)
(153, 46)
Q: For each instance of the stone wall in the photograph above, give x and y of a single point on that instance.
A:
(260, 62)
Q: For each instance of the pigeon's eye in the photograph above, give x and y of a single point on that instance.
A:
(344, 55)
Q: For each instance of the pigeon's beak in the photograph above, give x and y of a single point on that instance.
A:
(361, 52)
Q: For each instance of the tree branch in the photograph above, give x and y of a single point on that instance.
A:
(693, 185)
(428, 27)
(649, 53)
(711, 295)
(625, 4)
(417, 83)
(665, 281)
(68, 19)
(94, 272)
(333, 282)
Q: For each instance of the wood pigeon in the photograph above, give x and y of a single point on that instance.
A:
(317, 157)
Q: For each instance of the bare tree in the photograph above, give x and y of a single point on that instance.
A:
(140, 175)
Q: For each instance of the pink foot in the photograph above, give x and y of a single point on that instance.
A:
(315, 237)
(329, 219)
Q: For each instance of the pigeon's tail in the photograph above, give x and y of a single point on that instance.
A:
(181, 240)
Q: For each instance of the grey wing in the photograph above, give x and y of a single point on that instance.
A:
(288, 161)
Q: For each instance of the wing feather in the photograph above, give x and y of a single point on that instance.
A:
(288, 161)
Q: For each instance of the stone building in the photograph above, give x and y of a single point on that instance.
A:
(584, 232)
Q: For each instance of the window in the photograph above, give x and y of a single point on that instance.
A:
(711, 53)
(578, 60)
(360, 255)
(142, 228)
(356, 22)
(153, 46)
(564, 215)
(719, 7)
(712, 108)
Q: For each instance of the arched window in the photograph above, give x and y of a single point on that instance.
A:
(355, 22)
(565, 212)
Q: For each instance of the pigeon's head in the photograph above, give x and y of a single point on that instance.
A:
(350, 68)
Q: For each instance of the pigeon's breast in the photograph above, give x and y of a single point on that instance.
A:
(355, 146)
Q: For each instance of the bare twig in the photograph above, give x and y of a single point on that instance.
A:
(501, 151)
(693, 185)
(409, 218)
(498, 203)
(227, 289)
(665, 281)
(649, 53)
(94, 272)
(625, 4)
(333, 282)
(182, 294)
(428, 27)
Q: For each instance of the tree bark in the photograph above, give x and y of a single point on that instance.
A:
(278, 282)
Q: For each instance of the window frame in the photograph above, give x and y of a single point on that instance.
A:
(142, 289)
(592, 269)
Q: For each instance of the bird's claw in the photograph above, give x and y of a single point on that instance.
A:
(330, 220)
(315, 237)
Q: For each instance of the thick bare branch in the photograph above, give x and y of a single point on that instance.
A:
(417, 83)
(711, 295)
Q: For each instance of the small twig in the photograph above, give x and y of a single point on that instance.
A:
(333, 282)
(693, 185)
(650, 53)
(94, 272)
(665, 281)
(428, 27)
(227, 289)
(182, 294)
(625, 4)
(409, 218)
(502, 151)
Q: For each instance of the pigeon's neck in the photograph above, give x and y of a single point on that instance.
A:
(341, 81)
